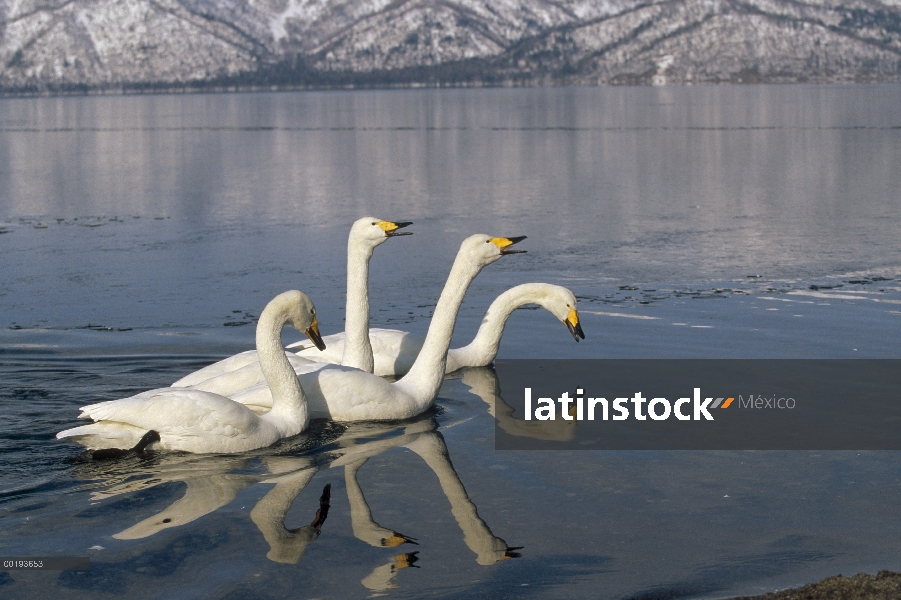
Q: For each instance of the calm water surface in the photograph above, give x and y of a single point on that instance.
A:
(141, 236)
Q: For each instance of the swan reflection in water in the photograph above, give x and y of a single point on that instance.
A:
(380, 578)
(213, 482)
(287, 545)
(422, 438)
(483, 382)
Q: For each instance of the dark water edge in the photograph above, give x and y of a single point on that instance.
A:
(468, 73)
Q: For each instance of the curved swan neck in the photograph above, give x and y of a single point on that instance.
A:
(288, 402)
(357, 347)
(427, 373)
(484, 346)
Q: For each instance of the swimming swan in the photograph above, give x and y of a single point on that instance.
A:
(345, 394)
(395, 350)
(203, 422)
(242, 370)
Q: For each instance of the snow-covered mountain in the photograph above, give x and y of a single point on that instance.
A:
(60, 45)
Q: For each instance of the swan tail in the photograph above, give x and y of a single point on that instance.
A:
(91, 411)
(103, 436)
(155, 408)
(103, 411)
(87, 410)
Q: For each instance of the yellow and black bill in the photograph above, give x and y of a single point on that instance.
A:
(313, 333)
(504, 244)
(572, 323)
(390, 228)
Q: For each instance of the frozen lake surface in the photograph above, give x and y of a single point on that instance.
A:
(140, 237)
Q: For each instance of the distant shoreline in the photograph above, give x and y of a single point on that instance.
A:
(249, 89)
(472, 73)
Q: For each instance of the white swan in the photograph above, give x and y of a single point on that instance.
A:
(364, 236)
(345, 394)
(203, 422)
(242, 370)
(395, 350)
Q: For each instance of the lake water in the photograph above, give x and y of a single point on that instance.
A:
(141, 236)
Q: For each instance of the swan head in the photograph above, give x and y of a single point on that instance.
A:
(300, 314)
(561, 303)
(485, 249)
(370, 231)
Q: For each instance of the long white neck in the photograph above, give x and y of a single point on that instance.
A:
(289, 412)
(427, 373)
(357, 348)
(483, 348)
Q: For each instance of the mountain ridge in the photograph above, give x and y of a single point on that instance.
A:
(49, 46)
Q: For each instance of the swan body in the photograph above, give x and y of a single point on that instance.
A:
(233, 381)
(343, 393)
(203, 422)
(394, 351)
(235, 373)
(222, 367)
